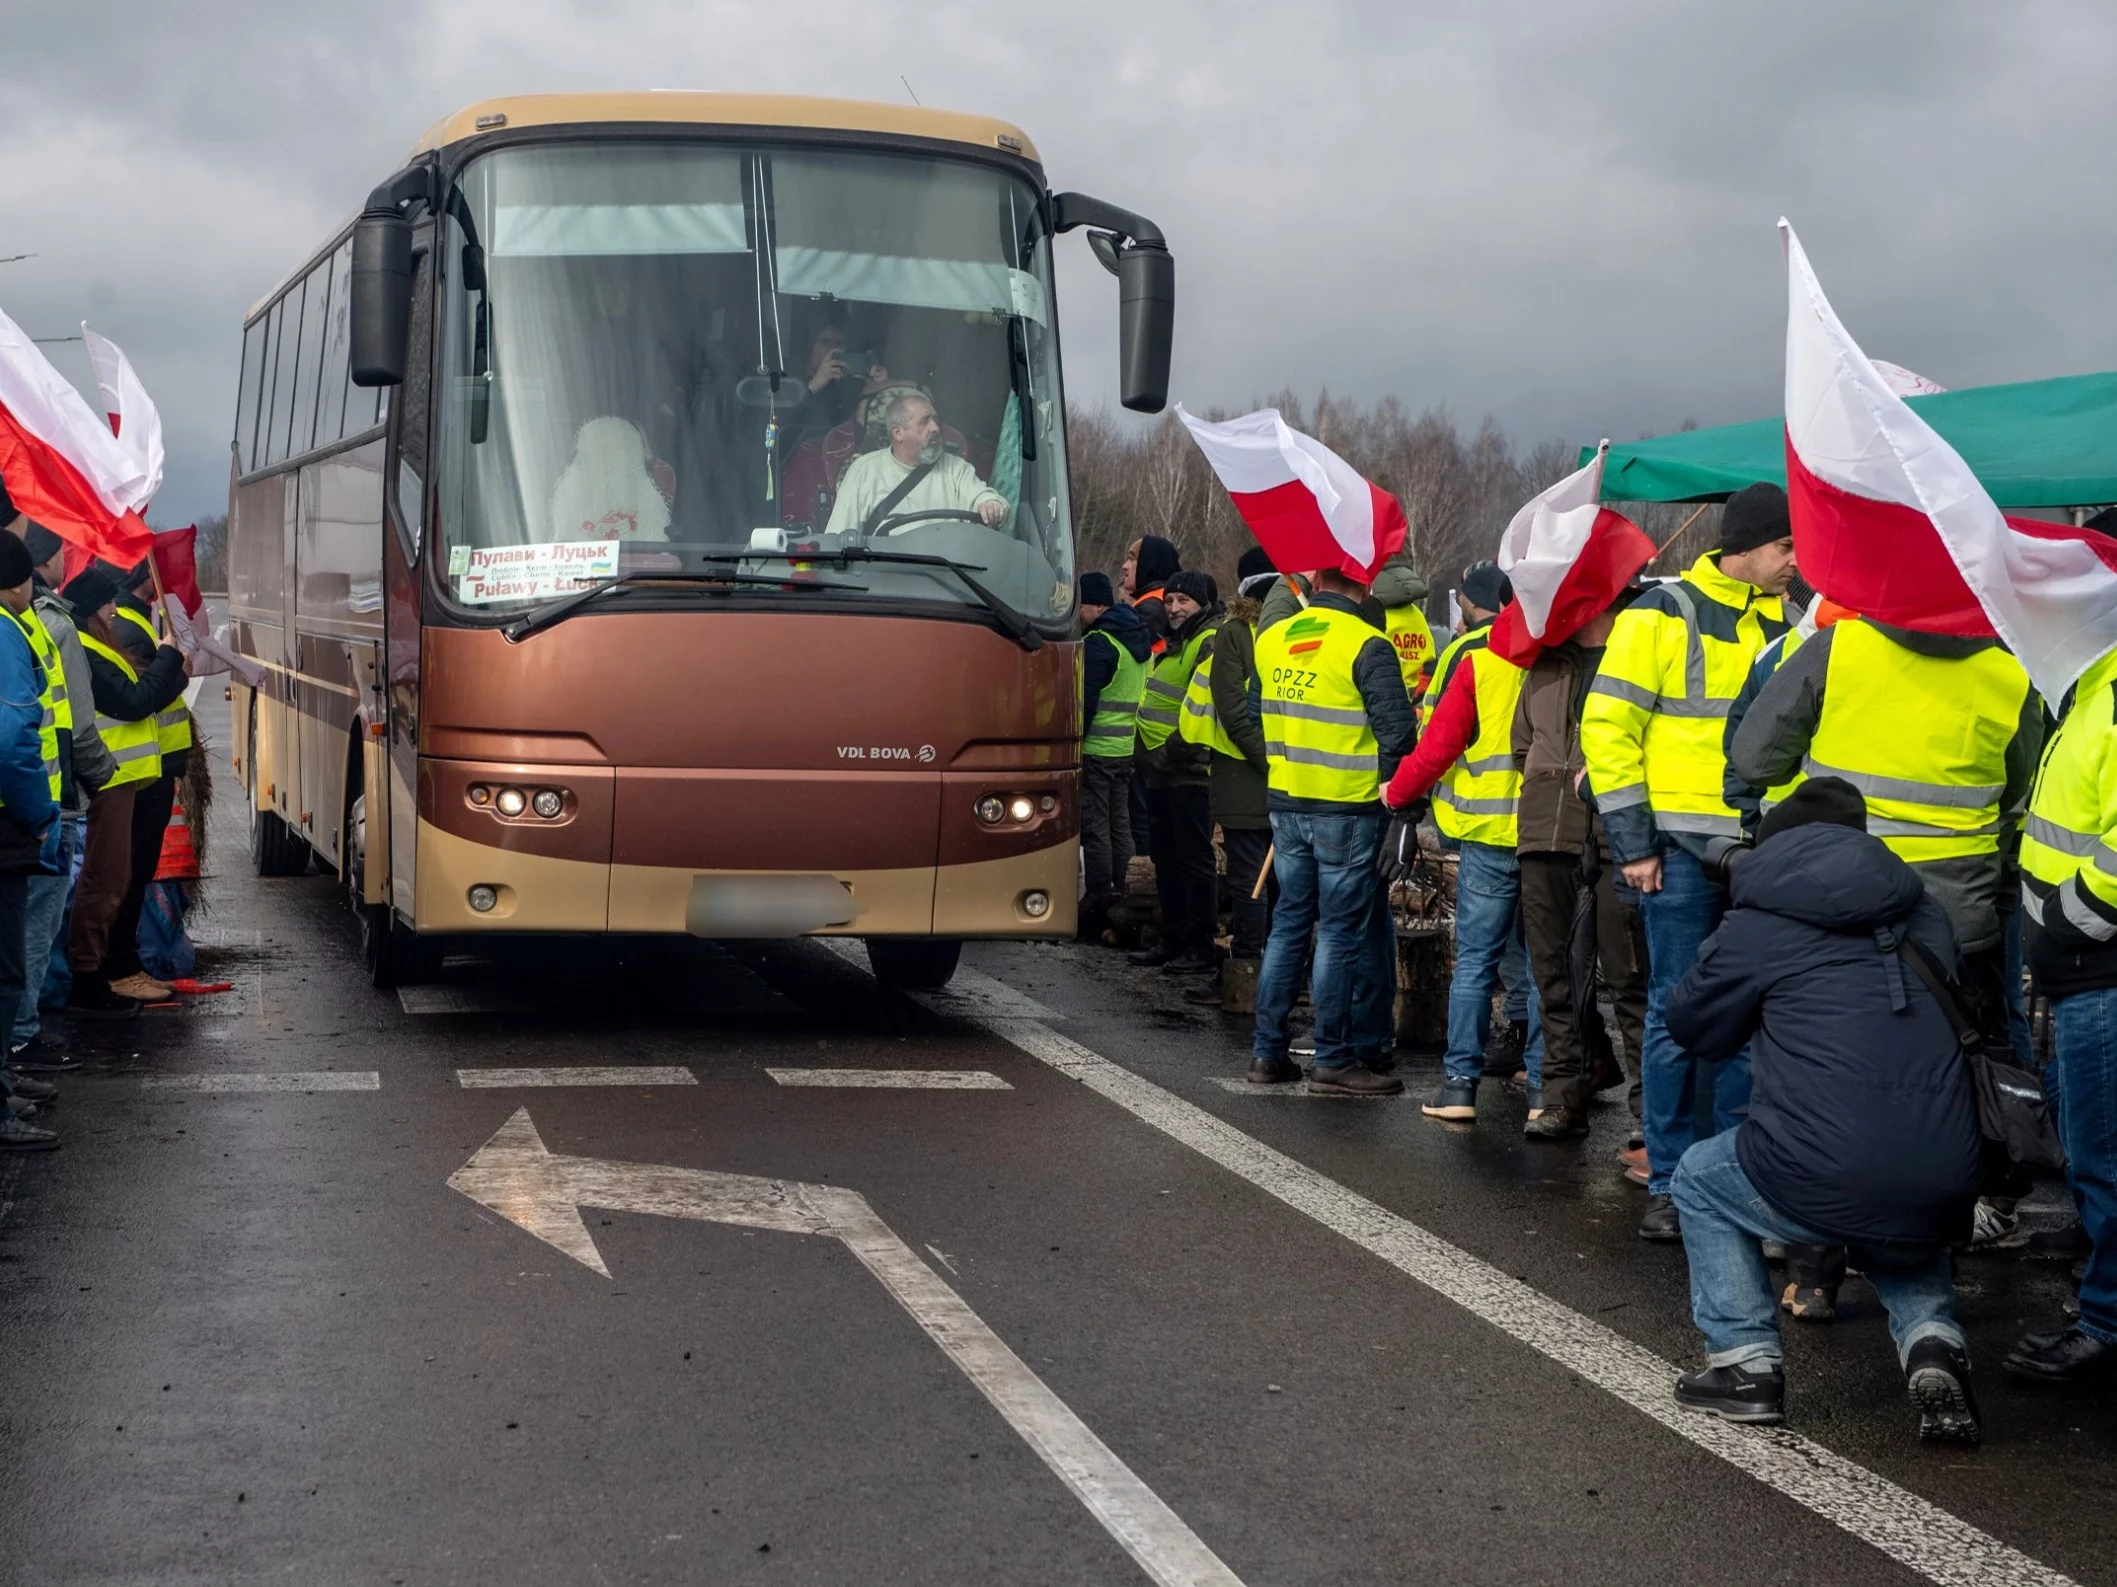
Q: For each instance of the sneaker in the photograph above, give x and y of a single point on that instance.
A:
(1818, 1304)
(1735, 1394)
(1353, 1080)
(1995, 1226)
(142, 988)
(2059, 1245)
(40, 1055)
(1556, 1123)
(2063, 1358)
(21, 1085)
(1302, 1046)
(1938, 1376)
(1661, 1222)
(1636, 1174)
(17, 1136)
(1536, 1101)
(1457, 1099)
(92, 998)
(1634, 1156)
(1273, 1071)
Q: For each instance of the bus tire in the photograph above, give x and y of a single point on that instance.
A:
(382, 955)
(917, 964)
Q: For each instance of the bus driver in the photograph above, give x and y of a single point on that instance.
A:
(913, 474)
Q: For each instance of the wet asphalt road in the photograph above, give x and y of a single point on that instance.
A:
(256, 1337)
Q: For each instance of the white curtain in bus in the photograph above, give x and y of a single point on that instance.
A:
(545, 231)
(965, 284)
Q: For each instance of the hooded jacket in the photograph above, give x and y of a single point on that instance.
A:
(1176, 763)
(1552, 816)
(1150, 571)
(28, 826)
(1398, 583)
(1861, 1121)
(1099, 662)
(84, 758)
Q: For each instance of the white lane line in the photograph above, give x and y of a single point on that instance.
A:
(463, 1000)
(1298, 1088)
(970, 994)
(1907, 1528)
(315, 1080)
(505, 1079)
(894, 1079)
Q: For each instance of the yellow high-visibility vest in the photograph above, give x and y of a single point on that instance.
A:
(1444, 666)
(1110, 734)
(2069, 843)
(58, 712)
(1412, 637)
(135, 746)
(1317, 738)
(1200, 723)
(1167, 682)
(1479, 799)
(1924, 739)
(1656, 713)
(173, 725)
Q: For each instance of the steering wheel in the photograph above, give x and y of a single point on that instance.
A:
(900, 520)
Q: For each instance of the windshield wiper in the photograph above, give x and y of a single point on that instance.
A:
(1015, 625)
(566, 605)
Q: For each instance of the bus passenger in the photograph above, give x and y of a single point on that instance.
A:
(914, 474)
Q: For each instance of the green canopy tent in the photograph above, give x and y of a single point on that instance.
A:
(2041, 443)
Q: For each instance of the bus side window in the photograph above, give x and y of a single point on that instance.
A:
(414, 405)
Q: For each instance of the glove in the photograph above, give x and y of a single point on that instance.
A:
(1400, 848)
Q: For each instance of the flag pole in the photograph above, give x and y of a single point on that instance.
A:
(1264, 871)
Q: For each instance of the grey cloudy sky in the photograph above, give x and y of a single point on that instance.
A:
(1558, 213)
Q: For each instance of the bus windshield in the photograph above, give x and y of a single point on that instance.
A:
(661, 357)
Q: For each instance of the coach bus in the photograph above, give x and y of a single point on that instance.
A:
(649, 515)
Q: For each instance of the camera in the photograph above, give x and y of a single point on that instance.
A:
(1721, 857)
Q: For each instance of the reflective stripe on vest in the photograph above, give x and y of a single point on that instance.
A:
(1479, 798)
(173, 726)
(135, 746)
(1200, 723)
(1776, 653)
(1110, 734)
(1162, 705)
(51, 693)
(2068, 868)
(1924, 739)
(1444, 666)
(1316, 733)
(1412, 637)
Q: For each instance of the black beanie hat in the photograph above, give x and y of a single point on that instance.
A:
(1251, 563)
(1820, 799)
(1191, 582)
(1754, 516)
(15, 565)
(1486, 586)
(43, 544)
(90, 592)
(1096, 590)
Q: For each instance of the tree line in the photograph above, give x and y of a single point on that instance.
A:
(1458, 490)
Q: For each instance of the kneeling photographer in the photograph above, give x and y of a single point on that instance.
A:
(1862, 1129)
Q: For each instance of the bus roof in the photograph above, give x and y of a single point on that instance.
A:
(733, 110)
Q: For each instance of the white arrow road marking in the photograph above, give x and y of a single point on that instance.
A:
(515, 1176)
(585, 1075)
(317, 1080)
(1921, 1535)
(894, 1079)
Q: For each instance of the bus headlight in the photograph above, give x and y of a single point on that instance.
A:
(512, 801)
(1021, 807)
(992, 810)
(483, 897)
(1036, 905)
(548, 803)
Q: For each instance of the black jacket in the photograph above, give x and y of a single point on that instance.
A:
(162, 682)
(1179, 763)
(1099, 662)
(1861, 1122)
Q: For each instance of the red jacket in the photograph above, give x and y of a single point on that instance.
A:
(1452, 731)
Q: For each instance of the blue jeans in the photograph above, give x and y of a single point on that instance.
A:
(1732, 1300)
(1678, 919)
(58, 983)
(2017, 1012)
(43, 915)
(1328, 886)
(1488, 915)
(2085, 1028)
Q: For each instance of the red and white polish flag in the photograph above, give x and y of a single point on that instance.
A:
(134, 419)
(1307, 506)
(62, 466)
(1567, 556)
(1890, 522)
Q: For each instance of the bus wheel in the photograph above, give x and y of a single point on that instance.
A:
(389, 953)
(918, 964)
(275, 850)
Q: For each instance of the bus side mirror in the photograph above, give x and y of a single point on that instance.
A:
(1146, 325)
(382, 297)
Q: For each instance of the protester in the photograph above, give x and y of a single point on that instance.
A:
(1218, 714)
(1114, 653)
(127, 702)
(1336, 723)
(1564, 854)
(1178, 784)
(29, 826)
(1465, 758)
(1148, 565)
(153, 806)
(1399, 588)
(2069, 908)
(1861, 1130)
(1651, 730)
